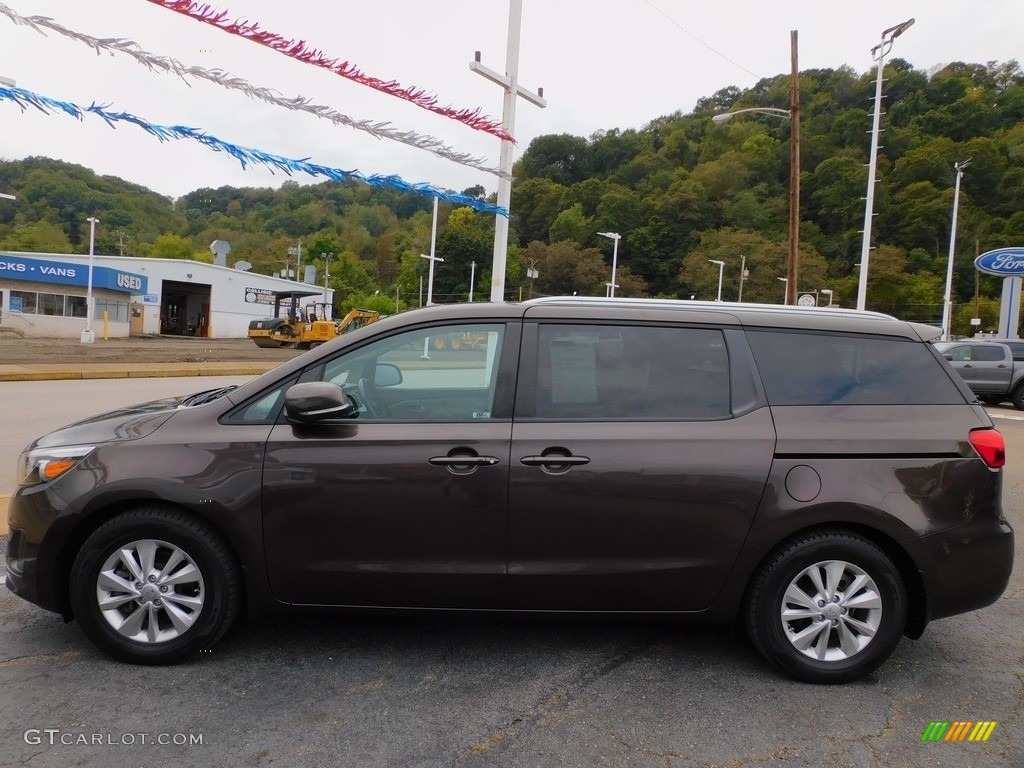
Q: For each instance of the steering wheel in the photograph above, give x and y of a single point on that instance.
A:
(376, 407)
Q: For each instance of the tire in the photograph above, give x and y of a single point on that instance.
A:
(859, 630)
(1017, 397)
(146, 621)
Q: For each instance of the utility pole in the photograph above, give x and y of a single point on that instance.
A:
(743, 276)
(512, 90)
(120, 242)
(793, 263)
(296, 251)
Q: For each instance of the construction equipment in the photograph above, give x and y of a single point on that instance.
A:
(307, 327)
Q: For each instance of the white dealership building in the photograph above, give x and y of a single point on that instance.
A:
(44, 294)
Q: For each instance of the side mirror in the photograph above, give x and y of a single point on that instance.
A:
(387, 375)
(314, 401)
(948, 357)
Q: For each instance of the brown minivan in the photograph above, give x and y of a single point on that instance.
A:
(821, 476)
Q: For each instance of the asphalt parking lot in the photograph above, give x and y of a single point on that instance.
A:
(517, 692)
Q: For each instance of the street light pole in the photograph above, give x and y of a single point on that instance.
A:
(430, 276)
(615, 237)
(888, 36)
(432, 257)
(327, 270)
(88, 337)
(827, 292)
(743, 276)
(785, 292)
(721, 268)
(947, 305)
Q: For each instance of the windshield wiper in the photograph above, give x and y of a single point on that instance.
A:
(199, 398)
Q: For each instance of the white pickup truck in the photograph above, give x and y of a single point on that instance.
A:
(989, 369)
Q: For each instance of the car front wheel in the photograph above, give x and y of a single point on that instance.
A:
(154, 586)
(827, 607)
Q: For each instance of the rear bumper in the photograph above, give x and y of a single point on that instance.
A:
(964, 568)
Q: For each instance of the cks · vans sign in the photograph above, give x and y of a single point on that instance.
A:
(31, 270)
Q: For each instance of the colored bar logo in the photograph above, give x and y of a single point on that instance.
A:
(958, 730)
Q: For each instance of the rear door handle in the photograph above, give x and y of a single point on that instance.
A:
(554, 460)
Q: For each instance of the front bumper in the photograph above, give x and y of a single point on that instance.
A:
(40, 524)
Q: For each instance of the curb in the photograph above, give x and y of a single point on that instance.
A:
(136, 373)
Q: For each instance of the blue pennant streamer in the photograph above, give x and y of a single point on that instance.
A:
(244, 155)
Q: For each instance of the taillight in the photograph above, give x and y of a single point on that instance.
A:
(990, 446)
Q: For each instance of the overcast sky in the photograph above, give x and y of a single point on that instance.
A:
(602, 63)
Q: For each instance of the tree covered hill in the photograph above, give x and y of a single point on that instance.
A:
(680, 190)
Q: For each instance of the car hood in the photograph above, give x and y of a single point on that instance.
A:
(129, 423)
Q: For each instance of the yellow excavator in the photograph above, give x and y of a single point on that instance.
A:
(307, 327)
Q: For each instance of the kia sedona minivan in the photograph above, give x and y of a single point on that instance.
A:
(822, 477)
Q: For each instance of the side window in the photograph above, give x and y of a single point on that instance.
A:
(631, 373)
(959, 354)
(984, 353)
(432, 374)
(799, 368)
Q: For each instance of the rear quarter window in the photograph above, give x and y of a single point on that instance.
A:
(801, 368)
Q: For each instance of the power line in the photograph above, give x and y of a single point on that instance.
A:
(706, 45)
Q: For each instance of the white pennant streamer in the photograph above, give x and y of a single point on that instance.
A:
(380, 130)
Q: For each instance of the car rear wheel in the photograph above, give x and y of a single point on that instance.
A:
(154, 586)
(827, 607)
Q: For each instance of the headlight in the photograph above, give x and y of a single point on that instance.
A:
(43, 465)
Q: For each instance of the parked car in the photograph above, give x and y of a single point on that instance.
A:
(989, 368)
(1016, 347)
(820, 475)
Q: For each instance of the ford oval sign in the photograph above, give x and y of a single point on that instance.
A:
(1004, 262)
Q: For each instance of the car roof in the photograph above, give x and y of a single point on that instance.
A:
(745, 314)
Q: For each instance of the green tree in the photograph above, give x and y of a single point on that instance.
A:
(572, 224)
(40, 237)
(565, 269)
(563, 159)
(170, 246)
(467, 236)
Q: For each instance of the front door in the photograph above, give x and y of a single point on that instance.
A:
(405, 505)
(633, 485)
